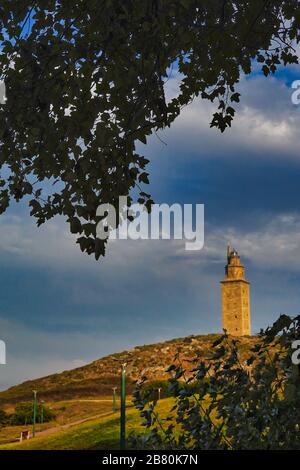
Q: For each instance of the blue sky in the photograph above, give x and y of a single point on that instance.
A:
(60, 308)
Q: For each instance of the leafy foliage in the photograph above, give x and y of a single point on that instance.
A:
(150, 390)
(3, 418)
(86, 81)
(252, 404)
(24, 414)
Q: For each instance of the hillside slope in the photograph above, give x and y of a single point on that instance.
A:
(98, 377)
(101, 433)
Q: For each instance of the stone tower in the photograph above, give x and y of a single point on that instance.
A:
(235, 297)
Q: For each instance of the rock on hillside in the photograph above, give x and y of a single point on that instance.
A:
(98, 377)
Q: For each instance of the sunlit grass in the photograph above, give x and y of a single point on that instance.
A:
(102, 433)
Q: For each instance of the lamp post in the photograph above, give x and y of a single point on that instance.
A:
(123, 408)
(114, 399)
(34, 413)
(42, 414)
(159, 389)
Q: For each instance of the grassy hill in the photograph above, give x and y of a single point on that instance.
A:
(98, 378)
(101, 433)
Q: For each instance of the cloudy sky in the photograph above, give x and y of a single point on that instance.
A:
(60, 308)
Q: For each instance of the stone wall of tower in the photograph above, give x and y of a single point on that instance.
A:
(236, 307)
(235, 298)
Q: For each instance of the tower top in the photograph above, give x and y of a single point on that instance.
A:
(234, 268)
(231, 253)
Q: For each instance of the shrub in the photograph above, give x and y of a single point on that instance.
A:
(3, 418)
(24, 414)
(150, 389)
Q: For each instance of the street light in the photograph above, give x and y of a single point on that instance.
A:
(159, 389)
(42, 414)
(34, 412)
(114, 399)
(123, 408)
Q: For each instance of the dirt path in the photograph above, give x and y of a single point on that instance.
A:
(62, 427)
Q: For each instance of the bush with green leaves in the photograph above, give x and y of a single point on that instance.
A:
(150, 389)
(23, 414)
(252, 404)
(4, 418)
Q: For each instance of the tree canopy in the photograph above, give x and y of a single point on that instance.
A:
(85, 82)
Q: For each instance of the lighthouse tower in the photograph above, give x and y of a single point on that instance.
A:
(235, 297)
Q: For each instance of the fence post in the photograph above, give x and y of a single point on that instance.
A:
(34, 412)
(114, 399)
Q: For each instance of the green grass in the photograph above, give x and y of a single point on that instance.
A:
(102, 433)
(66, 412)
